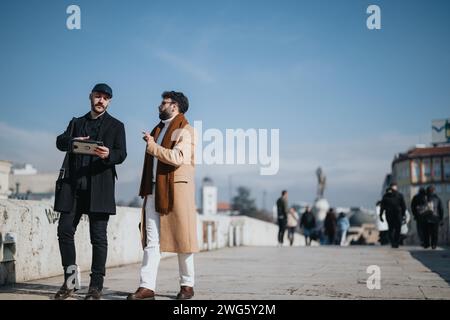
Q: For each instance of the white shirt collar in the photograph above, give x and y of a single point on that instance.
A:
(166, 122)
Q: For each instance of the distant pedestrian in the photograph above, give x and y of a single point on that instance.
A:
(382, 226)
(433, 217)
(282, 208)
(393, 205)
(308, 224)
(292, 223)
(330, 225)
(419, 208)
(343, 224)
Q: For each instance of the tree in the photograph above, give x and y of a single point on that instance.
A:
(243, 203)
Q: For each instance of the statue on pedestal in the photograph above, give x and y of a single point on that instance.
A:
(321, 205)
(321, 182)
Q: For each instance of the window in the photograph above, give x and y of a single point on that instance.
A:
(398, 172)
(405, 171)
(426, 170)
(447, 168)
(437, 172)
(415, 171)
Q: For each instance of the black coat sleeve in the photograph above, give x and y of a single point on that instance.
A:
(118, 152)
(63, 140)
(382, 208)
(440, 210)
(413, 206)
(403, 205)
(285, 207)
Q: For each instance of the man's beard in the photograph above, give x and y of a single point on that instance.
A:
(164, 115)
(93, 108)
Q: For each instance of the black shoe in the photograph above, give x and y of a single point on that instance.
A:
(433, 247)
(93, 294)
(64, 293)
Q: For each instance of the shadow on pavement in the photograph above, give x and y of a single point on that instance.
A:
(31, 289)
(50, 290)
(438, 261)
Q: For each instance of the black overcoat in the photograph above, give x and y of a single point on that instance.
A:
(102, 171)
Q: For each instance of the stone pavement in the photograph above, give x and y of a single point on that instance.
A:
(281, 273)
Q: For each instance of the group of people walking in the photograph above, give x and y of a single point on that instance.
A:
(333, 231)
(426, 209)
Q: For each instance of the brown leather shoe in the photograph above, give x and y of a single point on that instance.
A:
(185, 293)
(142, 294)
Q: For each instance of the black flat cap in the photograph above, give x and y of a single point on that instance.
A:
(103, 87)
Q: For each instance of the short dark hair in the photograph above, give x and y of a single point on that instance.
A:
(179, 98)
(392, 184)
(283, 192)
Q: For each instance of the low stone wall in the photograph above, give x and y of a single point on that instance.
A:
(29, 248)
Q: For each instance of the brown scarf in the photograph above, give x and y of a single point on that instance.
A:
(164, 172)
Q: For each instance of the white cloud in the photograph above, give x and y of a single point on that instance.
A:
(185, 65)
(32, 146)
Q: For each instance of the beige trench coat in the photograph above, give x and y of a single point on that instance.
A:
(178, 228)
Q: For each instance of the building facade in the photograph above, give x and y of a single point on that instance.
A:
(422, 166)
(26, 183)
(5, 169)
(208, 194)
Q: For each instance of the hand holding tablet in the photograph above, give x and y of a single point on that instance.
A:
(83, 145)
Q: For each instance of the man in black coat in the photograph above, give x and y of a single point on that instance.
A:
(393, 204)
(308, 223)
(282, 209)
(433, 217)
(418, 208)
(91, 181)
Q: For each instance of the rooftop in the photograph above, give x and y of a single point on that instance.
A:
(421, 152)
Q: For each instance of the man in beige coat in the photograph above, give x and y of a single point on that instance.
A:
(169, 215)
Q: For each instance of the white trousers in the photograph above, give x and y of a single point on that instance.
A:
(152, 253)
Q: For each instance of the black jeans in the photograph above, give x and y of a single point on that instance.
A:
(331, 236)
(98, 223)
(394, 225)
(430, 230)
(420, 225)
(282, 229)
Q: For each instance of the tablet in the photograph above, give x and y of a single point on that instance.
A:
(85, 146)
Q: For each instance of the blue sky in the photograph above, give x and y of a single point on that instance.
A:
(344, 97)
